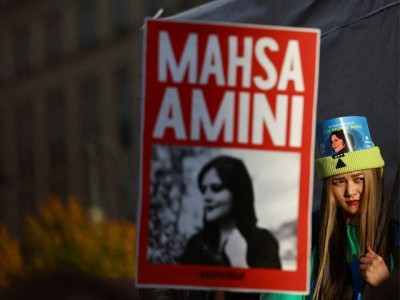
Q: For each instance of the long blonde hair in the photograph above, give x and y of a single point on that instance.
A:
(333, 279)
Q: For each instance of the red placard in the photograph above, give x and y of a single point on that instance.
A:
(221, 97)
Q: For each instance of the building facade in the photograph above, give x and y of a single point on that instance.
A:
(70, 103)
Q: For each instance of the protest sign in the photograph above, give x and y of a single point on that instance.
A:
(227, 148)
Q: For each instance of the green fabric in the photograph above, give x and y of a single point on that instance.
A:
(353, 259)
(281, 297)
(349, 162)
(271, 296)
(353, 242)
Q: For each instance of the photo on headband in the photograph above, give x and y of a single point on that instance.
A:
(345, 134)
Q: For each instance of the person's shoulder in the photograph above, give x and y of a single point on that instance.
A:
(197, 237)
(262, 233)
(193, 249)
(261, 238)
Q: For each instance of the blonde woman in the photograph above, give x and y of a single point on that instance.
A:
(351, 254)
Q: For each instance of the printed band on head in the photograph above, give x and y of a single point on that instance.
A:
(345, 145)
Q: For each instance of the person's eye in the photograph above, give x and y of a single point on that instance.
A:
(338, 182)
(216, 187)
(359, 179)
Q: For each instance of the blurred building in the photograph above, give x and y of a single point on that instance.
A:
(69, 102)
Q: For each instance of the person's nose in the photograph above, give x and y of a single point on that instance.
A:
(351, 189)
(208, 195)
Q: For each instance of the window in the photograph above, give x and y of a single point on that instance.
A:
(55, 102)
(89, 94)
(53, 34)
(88, 23)
(57, 137)
(25, 142)
(21, 49)
(2, 62)
(124, 106)
(92, 147)
(121, 9)
(2, 167)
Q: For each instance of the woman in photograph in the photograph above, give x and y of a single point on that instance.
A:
(351, 254)
(338, 141)
(230, 236)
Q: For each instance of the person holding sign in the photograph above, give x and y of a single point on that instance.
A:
(352, 251)
(230, 236)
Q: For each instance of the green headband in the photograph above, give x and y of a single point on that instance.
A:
(349, 162)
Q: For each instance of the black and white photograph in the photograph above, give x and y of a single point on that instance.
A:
(223, 207)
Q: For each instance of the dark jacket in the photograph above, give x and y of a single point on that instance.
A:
(262, 250)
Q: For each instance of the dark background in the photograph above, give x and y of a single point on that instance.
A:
(69, 131)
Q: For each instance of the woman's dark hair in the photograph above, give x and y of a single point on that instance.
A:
(345, 137)
(236, 179)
